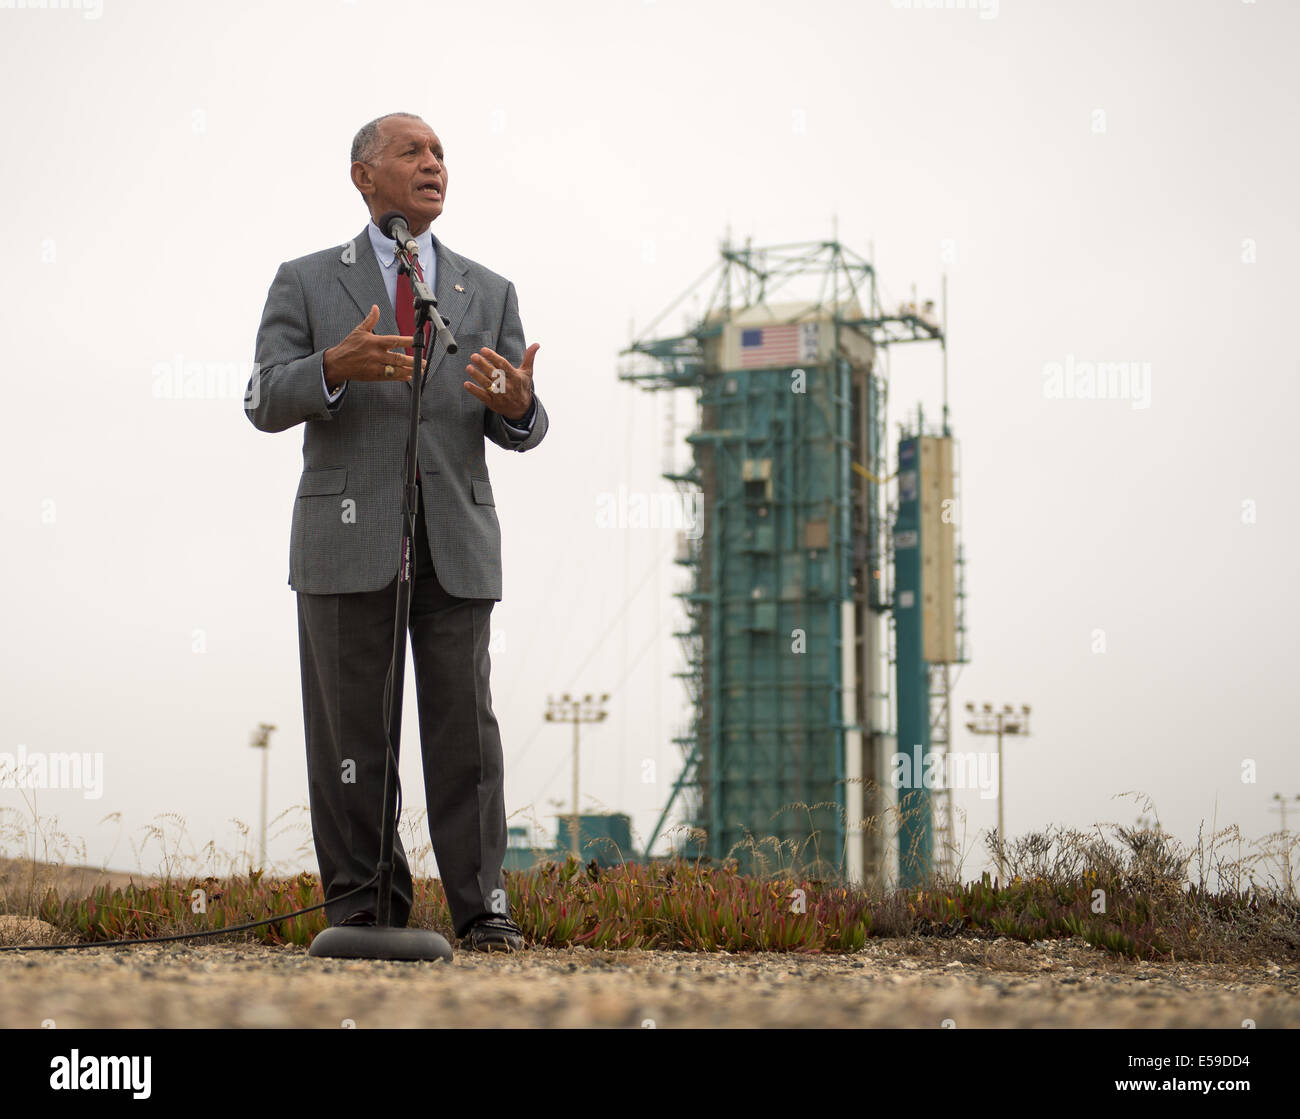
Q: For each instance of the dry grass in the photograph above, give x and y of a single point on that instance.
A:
(1132, 890)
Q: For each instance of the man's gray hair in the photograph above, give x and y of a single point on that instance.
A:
(365, 144)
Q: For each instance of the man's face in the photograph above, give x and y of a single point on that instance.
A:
(407, 173)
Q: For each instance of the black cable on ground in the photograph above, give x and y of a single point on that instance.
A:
(181, 936)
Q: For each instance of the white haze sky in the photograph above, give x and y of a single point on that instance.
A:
(162, 159)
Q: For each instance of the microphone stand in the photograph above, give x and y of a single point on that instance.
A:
(382, 941)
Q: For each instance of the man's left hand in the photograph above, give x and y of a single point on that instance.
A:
(501, 386)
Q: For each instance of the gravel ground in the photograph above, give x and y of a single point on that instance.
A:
(891, 983)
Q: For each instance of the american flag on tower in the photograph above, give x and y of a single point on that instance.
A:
(784, 344)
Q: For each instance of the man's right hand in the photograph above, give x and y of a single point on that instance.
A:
(363, 355)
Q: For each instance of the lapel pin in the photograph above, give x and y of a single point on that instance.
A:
(459, 288)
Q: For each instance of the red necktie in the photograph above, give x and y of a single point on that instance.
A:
(406, 302)
(405, 311)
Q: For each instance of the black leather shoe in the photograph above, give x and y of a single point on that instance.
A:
(493, 934)
(360, 917)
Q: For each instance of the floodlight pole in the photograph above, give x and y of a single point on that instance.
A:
(260, 739)
(1286, 849)
(1004, 722)
(570, 709)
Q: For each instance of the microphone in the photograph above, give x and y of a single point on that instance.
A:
(393, 224)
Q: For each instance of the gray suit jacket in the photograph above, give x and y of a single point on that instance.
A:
(347, 513)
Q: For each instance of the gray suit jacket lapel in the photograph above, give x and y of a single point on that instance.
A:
(362, 276)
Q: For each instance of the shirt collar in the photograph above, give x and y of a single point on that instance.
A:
(385, 251)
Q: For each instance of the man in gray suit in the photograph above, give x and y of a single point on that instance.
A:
(321, 364)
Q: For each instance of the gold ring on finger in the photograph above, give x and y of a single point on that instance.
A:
(389, 371)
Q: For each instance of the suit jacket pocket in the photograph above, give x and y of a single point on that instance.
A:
(482, 492)
(331, 479)
(317, 536)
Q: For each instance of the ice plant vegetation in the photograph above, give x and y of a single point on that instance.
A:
(1131, 907)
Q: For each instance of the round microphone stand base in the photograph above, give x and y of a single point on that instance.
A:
(368, 942)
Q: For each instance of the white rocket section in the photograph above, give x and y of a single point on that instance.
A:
(853, 798)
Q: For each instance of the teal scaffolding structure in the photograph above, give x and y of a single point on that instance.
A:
(788, 580)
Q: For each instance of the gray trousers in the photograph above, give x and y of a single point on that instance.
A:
(345, 646)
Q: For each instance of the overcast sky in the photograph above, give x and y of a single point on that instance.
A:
(1102, 182)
